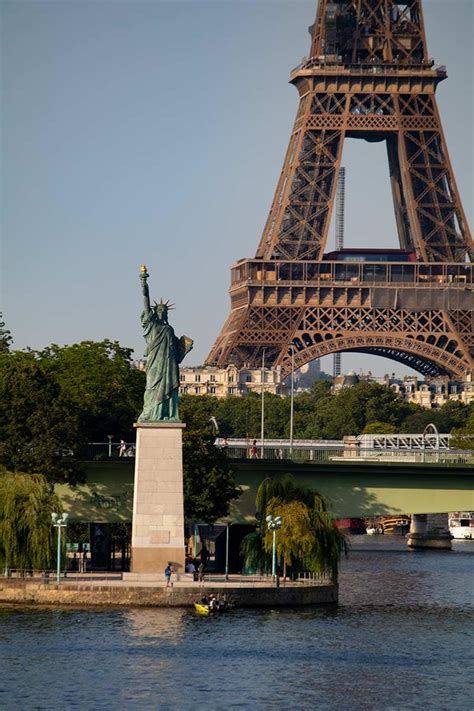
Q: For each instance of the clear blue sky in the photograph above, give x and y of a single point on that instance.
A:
(155, 132)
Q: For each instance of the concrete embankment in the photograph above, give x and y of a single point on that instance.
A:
(28, 592)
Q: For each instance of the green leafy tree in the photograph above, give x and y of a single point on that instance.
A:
(100, 384)
(240, 416)
(295, 538)
(26, 534)
(310, 522)
(253, 551)
(197, 410)
(209, 485)
(5, 336)
(38, 429)
(449, 416)
(463, 437)
(379, 428)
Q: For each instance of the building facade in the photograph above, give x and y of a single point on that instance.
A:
(229, 381)
(433, 392)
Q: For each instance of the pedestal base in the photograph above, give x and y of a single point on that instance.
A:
(155, 560)
(158, 507)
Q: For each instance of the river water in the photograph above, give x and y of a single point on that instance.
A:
(399, 639)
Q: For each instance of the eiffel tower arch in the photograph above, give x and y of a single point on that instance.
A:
(368, 76)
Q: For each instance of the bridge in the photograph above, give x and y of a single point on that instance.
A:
(382, 482)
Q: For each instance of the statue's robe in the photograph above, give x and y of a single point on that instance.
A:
(164, 352)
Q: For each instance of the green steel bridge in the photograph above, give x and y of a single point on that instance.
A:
(359, 486)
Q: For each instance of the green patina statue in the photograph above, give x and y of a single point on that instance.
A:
(164, 352)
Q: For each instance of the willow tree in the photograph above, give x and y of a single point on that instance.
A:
(26, 534)
(308, 537)
(295, 539)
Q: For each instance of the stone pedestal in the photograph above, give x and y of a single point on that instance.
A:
(158, 511)
(429, 531)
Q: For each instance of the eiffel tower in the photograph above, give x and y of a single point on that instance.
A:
(368, 76)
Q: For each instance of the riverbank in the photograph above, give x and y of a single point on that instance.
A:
(118, 593)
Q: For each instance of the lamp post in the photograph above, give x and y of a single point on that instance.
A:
(274, 523)
(262, 421)
(227, 552)
(59, 522)
(292, 396)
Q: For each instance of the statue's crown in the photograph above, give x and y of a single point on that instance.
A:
(165, 305)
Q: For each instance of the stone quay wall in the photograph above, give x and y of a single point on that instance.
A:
(30, 592)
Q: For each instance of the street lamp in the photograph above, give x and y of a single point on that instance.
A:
(262, 417)
(59, 522)
(227, 551)
(274, 523)
(292, 396)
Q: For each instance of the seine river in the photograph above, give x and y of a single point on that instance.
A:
(398, 640)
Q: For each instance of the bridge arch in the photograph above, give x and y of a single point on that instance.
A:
(421, 355)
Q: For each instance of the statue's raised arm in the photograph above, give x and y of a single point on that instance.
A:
(145, 291)
(164, 352)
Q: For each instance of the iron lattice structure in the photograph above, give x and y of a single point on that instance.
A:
(368, 76)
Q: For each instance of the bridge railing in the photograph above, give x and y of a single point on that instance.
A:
(308, 451)
(345, 455)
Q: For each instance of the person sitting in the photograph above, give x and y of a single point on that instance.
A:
(190, 567)
(205, 601)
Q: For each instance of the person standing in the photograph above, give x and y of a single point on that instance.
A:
(253, 450)
(201, 569)
(168, 573)
(122, 448)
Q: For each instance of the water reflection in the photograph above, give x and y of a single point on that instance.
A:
(153, 624)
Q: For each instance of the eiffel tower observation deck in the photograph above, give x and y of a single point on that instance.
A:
(368, 76)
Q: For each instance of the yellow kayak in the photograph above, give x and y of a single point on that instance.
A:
(201, 609)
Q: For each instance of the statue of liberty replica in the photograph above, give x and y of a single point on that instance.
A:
(164, 352)
(158, 511)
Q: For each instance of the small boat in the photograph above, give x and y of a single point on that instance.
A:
(201, 609)
(211, 606)
(396, 525)
(461, 525)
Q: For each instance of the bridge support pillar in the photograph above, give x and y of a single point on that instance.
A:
(429, 531)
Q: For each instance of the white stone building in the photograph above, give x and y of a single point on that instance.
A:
(222, 382)
(434, 392)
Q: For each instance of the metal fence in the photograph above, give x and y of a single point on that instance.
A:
(50, 576)
(307, 451)
(305, 578)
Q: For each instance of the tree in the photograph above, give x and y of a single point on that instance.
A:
(5, 336)
(197, 411)
(463, 437)
(37, 426)
(100, 384)
(55, 401)
(295, 538)
(253, 551)
(379, 428)
(26, 534)
(310, 538)
(208, 482)
(448, 416)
